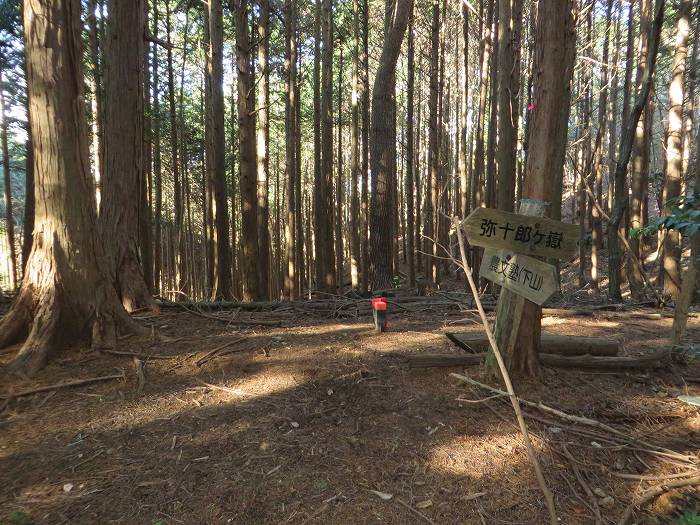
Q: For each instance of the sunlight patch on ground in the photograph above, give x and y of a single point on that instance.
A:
(502, 453)
(199, 395)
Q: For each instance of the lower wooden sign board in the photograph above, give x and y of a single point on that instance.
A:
(533, 279)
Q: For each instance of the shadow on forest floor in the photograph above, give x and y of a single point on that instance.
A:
(303, 422)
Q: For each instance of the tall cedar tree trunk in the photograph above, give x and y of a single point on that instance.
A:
(510, 14)
(68, 293)
(518, 321)
(9, 218)
(222, 247)
(299, 208)
(364, 102)
(246, 150)
(485, 51)
(355, 222)
(629, 136)
(157, 166)
(432, 188)
(323, 209)
(640, 155)
(262, 145)
(208, 229)
(184, 282)
(410, 161)
(381, 217)
(597, 166)
(584, 148)
(612, 113)
(290, 122)
(177, 250)
(146, 180)
(464, 186)
(620, 186)
(123, 144)
(339, 183)
(674, 152)
(491, 168)
(417, 172)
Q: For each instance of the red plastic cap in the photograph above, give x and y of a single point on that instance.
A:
(378, 300)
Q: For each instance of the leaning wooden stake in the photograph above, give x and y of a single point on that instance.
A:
(549, 499)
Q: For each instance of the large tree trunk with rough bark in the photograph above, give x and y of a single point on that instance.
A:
(262, 146)
(640, 156)
(509, 28)
(290, 121)
(123, 149)
(432, 185)
(381, 219)
(9, 218)
(323, 197)
(518, 321)
(222, 246)
(674, 153)
(629, 135)
(246, 150)
(355, 222)
(410, 162)
(68, 292)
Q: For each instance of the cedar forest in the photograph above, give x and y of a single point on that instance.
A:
(205, 195)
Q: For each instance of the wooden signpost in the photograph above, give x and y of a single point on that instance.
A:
(511, 241)
(533, 279)
(536, 236)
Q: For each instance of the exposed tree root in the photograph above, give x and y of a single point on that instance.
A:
(50, 319)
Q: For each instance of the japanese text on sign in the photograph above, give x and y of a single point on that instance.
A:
(516, 273)
(521, 233)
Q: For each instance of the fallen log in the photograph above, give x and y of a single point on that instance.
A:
(566, 345)
(616, 363)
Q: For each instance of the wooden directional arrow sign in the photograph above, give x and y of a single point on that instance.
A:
(533, 279)
(537, 236)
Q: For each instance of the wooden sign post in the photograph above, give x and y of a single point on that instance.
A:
(533, 279)
(511, 241)
(531, 235)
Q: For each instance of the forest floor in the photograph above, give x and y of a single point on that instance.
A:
(320, 420)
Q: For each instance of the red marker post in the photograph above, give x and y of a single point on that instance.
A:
(379, 312)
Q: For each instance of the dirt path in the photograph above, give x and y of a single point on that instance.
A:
(303, 423)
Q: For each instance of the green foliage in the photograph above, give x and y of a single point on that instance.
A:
(684, 217)
(17, 518)
(689, 518)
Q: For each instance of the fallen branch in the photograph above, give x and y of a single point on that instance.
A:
(586, 488)
(211, 354)
(651, 493)
(656, 360)
(58, 386)
(583, 421)
(415, 511)
(566, 345)
(145, 357)
(642, 477)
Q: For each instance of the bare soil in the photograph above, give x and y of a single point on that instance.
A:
(304, 421)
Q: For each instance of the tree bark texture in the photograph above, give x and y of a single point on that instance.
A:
(674, 152)
(123, 150)
(246, 156)
(383, 180)
(68, 292)
(518, 320)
